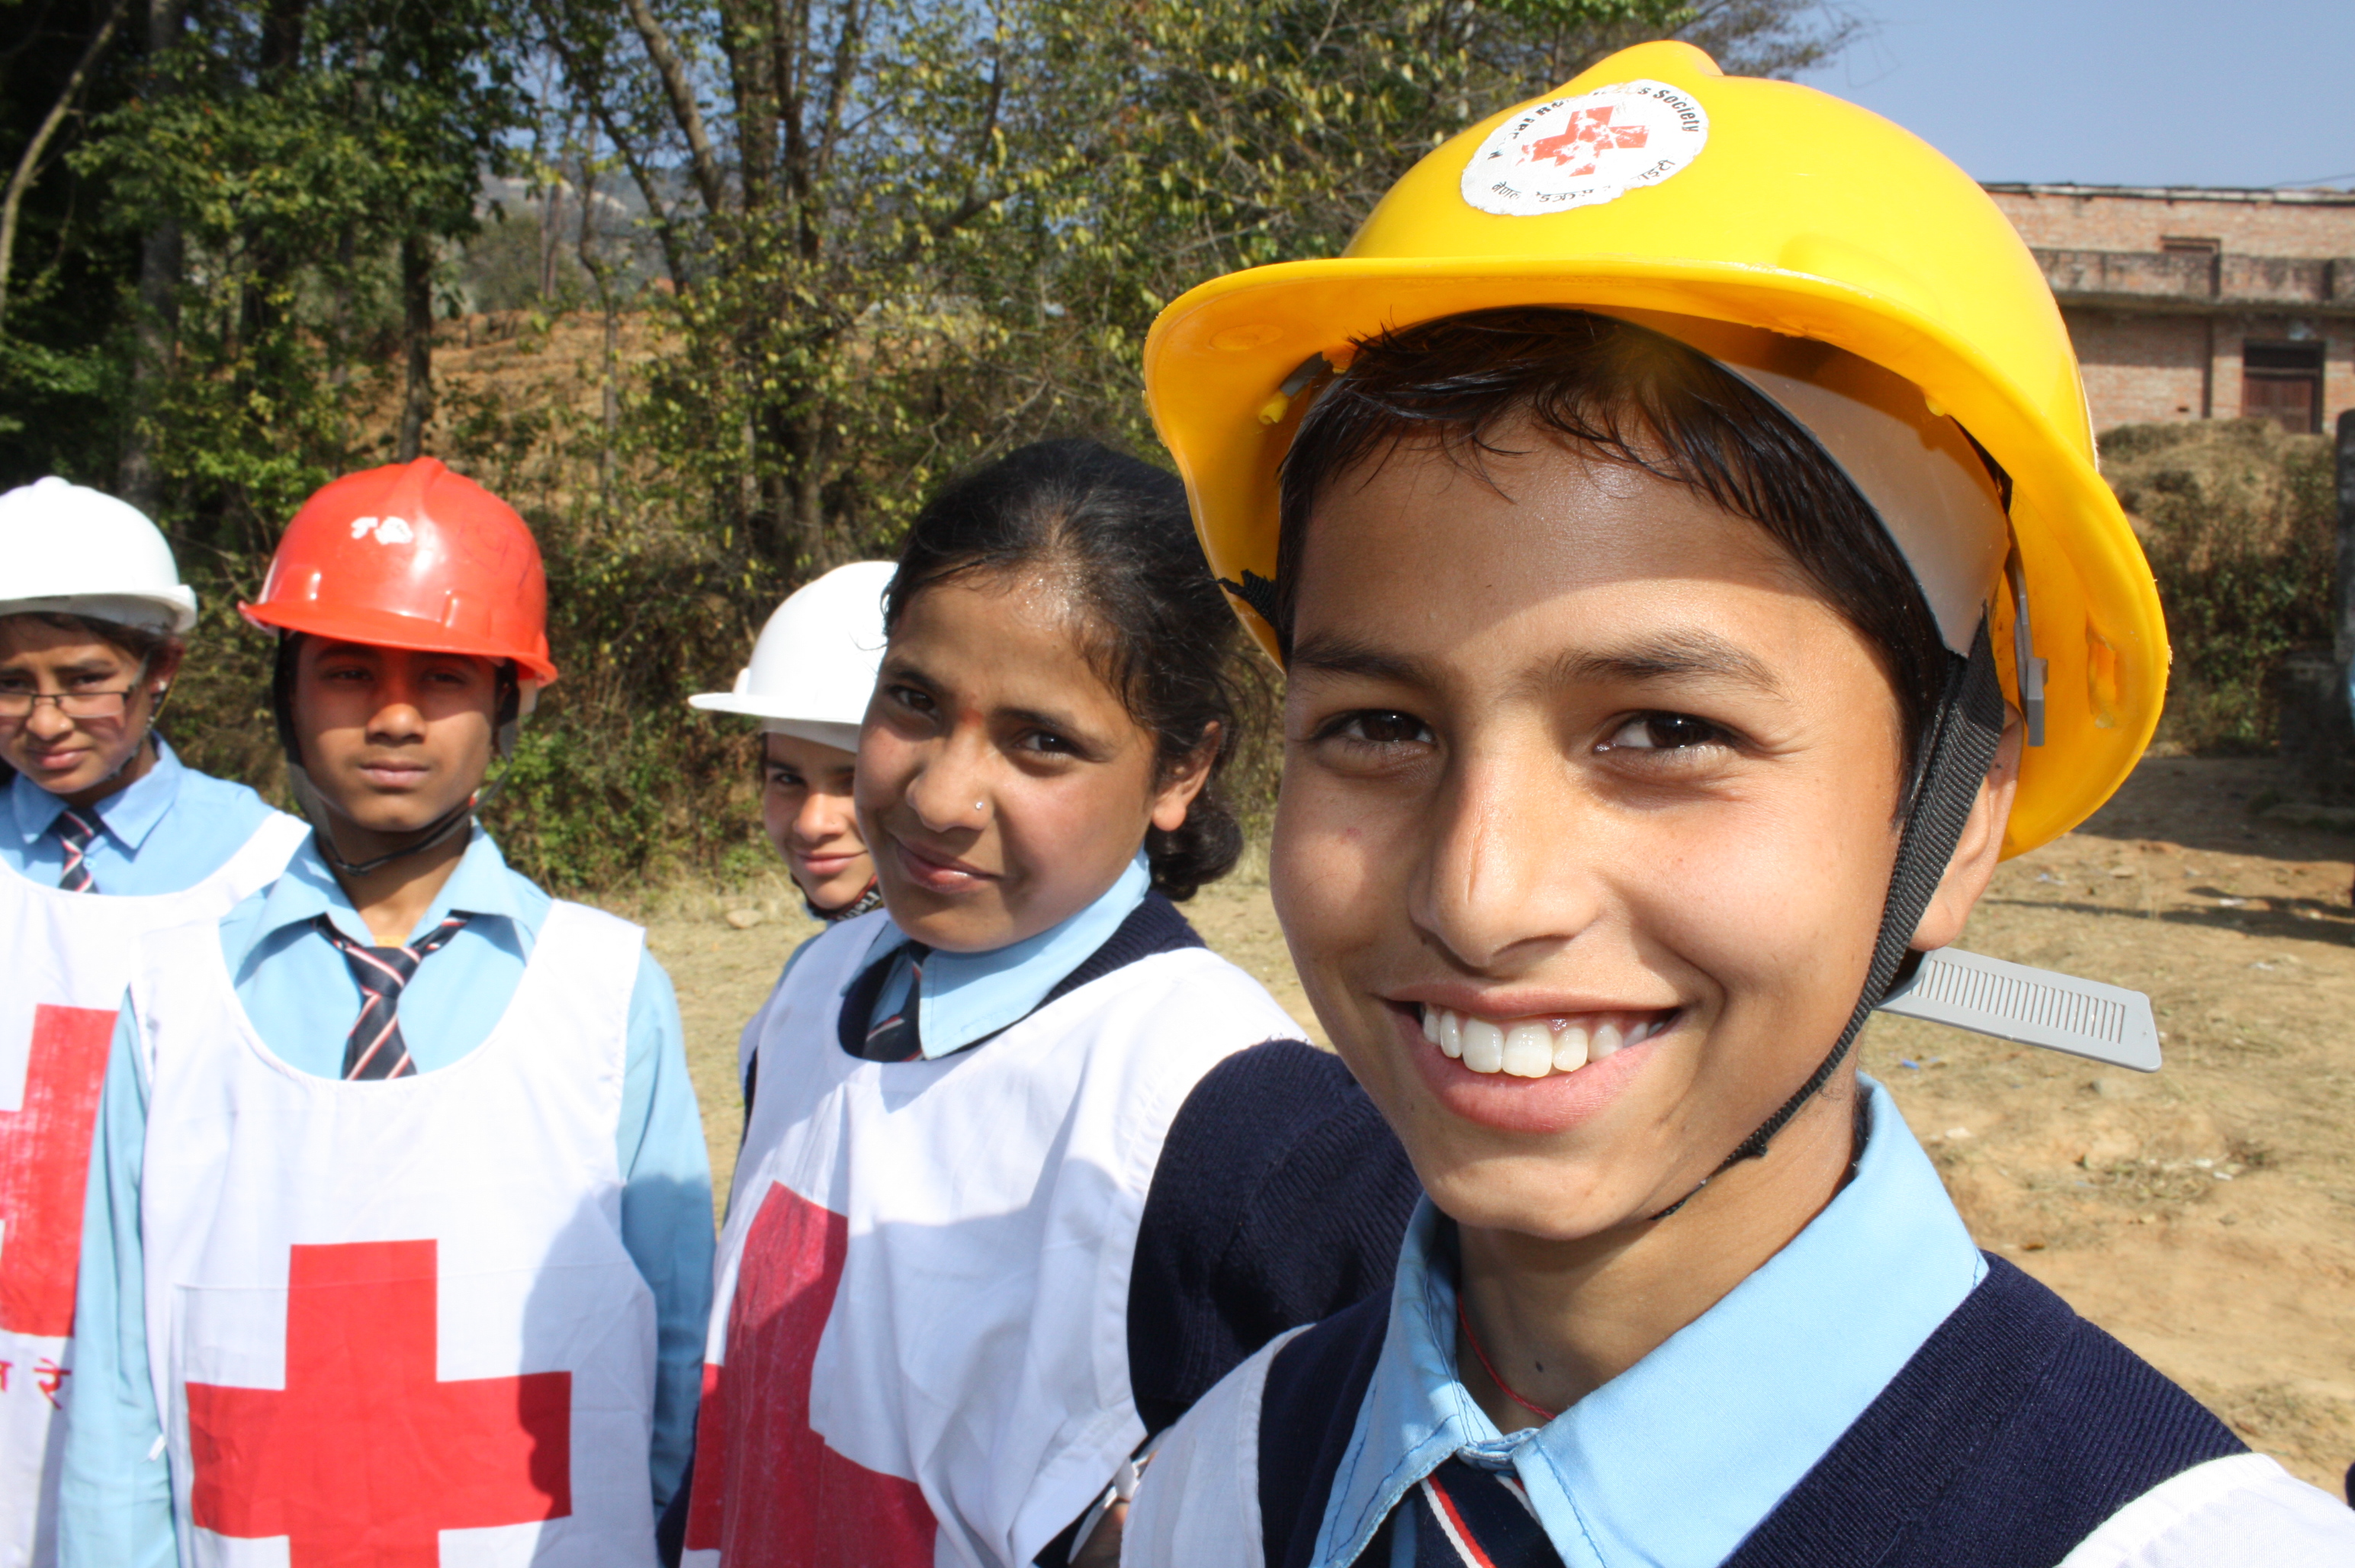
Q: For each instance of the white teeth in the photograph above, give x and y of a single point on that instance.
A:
(1531, 1048)
(1484, 1046)
(1528, 1050)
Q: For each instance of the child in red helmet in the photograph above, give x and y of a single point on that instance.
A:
(398, 1220)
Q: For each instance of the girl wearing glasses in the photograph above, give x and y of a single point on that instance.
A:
(104, 835)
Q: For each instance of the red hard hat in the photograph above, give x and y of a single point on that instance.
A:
(412, 555)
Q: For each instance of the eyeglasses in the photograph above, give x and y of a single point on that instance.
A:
(20, 704)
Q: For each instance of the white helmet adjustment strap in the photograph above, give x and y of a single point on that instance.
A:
(2031, 1007)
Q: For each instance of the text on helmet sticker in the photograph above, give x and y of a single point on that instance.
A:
(1583, 151)
(388, 530)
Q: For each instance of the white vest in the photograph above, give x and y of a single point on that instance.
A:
(67, 959)
(919, 1349)
(399, 1312)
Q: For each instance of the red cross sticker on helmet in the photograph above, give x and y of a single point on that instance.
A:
(1579, 151)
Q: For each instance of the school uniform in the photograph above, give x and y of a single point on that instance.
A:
(467, 1301)
(1000, 1216)
(163, 834)
(78, 888)
(1879, 1392)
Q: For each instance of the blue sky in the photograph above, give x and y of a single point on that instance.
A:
(2115, 91)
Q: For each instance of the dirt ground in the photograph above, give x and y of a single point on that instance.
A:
(2205, 1215)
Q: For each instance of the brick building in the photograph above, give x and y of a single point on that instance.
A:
(2187, 302)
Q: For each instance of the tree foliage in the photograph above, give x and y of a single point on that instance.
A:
(903, 232)
(837, 249)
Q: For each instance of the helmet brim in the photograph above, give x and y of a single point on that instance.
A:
(1218, 353)
(384, 629)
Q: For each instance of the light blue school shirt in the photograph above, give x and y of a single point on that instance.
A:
(163, 834)
(1675, 1461)
(115, 1499)
(967, 996)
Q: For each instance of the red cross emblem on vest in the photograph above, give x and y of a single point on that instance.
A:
(769, 1492)
(365, 1456)
(1578, 145)
(44, 1164)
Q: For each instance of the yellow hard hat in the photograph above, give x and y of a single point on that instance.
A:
(1654, 185)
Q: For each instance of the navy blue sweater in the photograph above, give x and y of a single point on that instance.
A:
(2009, 1436)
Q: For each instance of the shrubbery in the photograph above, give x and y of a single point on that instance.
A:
(614, 780)
(2238, 519)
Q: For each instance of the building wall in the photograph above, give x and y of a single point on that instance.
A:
(2306, 225)
(2159, 328)
(2141, 369)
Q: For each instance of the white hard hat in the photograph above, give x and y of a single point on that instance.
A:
(813, 667)
(69, 549)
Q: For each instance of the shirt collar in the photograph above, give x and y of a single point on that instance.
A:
(480, 885)
(1678, 1458)
(968, 997)
(128, 816)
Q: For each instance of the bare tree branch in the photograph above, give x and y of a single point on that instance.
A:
(709, 181)
(29, 166)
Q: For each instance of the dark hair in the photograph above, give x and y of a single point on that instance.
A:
(1156, 629)
(1625, 394)
(140, 644)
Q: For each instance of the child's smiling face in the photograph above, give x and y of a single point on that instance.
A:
(1579, 768)
(805, 805)
(1001, 784)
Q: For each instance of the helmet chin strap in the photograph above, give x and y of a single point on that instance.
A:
(1961, 746)
(314, 804)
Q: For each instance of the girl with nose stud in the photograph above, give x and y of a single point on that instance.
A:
(1677, 522)
(1029, 1167)
(398, 1223)
(104, 834)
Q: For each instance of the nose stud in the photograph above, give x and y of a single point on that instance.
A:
(976, 805)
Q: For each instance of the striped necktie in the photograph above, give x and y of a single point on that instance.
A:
(1464, 1516)
(75, 835)
(897, 1037)
(375, 1049)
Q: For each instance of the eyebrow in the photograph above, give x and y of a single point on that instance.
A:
(1678, 655)
(1063, 724)
(1330, 652)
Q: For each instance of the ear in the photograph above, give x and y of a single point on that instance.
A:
(1973, 866)
(1176, 796)
(164, 668)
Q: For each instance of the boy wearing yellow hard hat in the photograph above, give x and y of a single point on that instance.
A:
(1677, 520)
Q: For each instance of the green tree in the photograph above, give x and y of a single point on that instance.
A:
(904, 232)
(302, 161)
